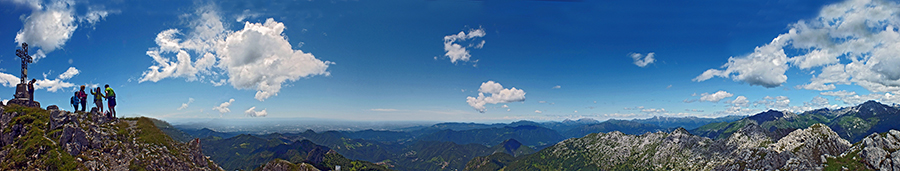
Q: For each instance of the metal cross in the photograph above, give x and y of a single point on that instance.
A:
(23, 53)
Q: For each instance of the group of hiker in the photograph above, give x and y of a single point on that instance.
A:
(80, 97)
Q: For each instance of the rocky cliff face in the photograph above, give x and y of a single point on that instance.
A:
(878, 151)
(37, 139)
(750, 148)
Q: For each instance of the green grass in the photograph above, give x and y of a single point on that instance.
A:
(847, 161)
(149, 133)
(34, 143)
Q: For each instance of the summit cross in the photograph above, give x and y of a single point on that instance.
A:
(23, 53)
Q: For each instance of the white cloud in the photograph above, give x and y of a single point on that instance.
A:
(841, 93)
(247, 14)
(258, 57)
(384, 110)
(50, 25)
(223, 108)
(715, 97)
(833, 74)
(33, 4)
(497, 95)
(71, 72)
(652, 110)
(504, 106)
(764, 67)
(642, 60)
(557, 87)
(253, 113)
(48, 29)
(777, 103)
(740, 101)
(9, 80)
(457, 52)
(94, 15)
(185, 105)
(865, 32)
(52, 85)
(668, 87)
(852, 98)
(538, 111)
(735, 110)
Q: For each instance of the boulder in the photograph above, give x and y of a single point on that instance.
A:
(73, 139)
(52, 107)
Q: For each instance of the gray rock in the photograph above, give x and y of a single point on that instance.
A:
(73, 139)
(52, 107)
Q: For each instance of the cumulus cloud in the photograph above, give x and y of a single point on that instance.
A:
(50, 25)
(48, 29)
(830, 75)
(557, 87)
(642, 60)
(223, 108)
(260, 57)
(864, 32)
(457, 52)
(185, 105)
(257, 57)
(538, 111)
(497, 95)
(739, 101)
(715, 97)
(52, 85)
(71, 72)
(253, 113)
(777, 102)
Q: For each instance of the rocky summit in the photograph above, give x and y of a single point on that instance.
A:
(52, 139)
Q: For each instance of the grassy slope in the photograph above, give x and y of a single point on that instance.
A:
(35, 142)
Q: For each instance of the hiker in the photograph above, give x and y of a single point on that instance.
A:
(31, 91)
(75, 101)
(111, 100)
(98, 98)
(82, 97)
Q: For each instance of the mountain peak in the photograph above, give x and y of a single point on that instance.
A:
(872, 104)
(768, 116)
(681, 130)
(511, 145)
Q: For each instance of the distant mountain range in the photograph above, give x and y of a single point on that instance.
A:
(442, 146)
(770, 140)
(851, 123)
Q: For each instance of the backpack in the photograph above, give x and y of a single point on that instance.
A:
(75, 100)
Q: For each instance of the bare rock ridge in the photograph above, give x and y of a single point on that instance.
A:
(37, 139)
(750, 148)
(880, 151)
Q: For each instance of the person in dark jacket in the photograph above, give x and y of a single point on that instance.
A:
(31, 91)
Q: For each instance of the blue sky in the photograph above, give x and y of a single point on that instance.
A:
(430, 60)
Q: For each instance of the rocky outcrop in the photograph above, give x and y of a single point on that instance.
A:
(37, 139)
(810, 147)
(879, 151)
